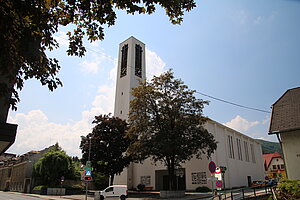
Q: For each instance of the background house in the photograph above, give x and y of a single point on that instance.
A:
(274, 166)
(285, 123)
(16, 173)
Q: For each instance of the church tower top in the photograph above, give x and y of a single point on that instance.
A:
(131, 70)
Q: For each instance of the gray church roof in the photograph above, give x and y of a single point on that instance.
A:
(286, 112)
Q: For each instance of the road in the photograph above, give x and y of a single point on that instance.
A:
(10, 196)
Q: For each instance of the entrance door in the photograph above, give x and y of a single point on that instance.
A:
(249, 181)
(162, 180)
(27, 186)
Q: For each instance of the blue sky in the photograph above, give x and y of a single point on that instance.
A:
(246, 52)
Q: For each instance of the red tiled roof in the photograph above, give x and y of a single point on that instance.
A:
(268, 158)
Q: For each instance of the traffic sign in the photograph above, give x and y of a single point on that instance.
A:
(219, 184)
(212, 166)
(88, 173)
(218, 170)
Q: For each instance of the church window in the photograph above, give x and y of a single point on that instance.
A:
(239, 148)
(124, 60)
(246, 151)
(230, 146)
(252, 153)
(138, 60)
(121, 112)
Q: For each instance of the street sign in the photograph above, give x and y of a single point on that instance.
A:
(218, 170)
(212, 166)
(88, 168)
(88, 173)
(219, 184)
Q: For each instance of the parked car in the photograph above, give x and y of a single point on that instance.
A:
(271, 182)
(258, 183)
(113, 191)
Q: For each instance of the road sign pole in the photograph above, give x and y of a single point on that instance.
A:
(86, 190)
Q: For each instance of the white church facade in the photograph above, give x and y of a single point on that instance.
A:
(240, 154)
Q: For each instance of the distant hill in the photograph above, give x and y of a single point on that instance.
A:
(269, 147)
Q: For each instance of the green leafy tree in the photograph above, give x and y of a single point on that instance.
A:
(53, 165)
(166, 123)
(108, 146)
(28, 26)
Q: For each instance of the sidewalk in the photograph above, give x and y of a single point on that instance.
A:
(189, 196)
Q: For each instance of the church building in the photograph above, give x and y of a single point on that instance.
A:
(240, 154)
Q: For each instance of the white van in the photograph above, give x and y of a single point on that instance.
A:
(112, 191)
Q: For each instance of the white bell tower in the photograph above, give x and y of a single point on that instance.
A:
(131, 70)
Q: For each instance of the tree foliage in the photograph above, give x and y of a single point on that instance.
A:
(166, 123)
(27, 29)
(108, 146)
(53, 165)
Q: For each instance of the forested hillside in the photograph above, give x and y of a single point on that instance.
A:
(270, 147)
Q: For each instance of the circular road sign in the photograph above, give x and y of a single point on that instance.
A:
(218, 170)
(212, 166)
(219, 184)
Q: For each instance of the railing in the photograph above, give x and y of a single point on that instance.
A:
(245, 193)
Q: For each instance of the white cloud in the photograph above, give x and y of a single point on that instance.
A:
(36, 131)
(154, 64)
(92, 66)
(240, 124)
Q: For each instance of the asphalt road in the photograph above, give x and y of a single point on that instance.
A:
(10, 196)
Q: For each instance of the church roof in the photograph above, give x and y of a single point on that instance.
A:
(286, 112)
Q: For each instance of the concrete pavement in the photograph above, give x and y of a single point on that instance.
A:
(189, 196)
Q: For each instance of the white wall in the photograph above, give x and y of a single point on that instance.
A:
(291, 151)
(237, 170)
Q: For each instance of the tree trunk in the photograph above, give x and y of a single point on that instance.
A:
(171, 170)
(111, 182)
(4, 99)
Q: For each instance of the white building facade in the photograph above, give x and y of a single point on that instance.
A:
(240, 154)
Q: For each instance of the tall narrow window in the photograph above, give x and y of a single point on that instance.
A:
(230, 146)
(252, 153)
(246, 151)
(138, 60)
(124, 60)
(238, 144)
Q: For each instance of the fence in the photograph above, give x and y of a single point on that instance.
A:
(245, 193)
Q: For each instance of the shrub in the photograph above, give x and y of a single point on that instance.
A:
(203, 189)
(40, 187)
(141, 187)
(289, 189)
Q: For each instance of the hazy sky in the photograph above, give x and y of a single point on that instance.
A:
(246, 52)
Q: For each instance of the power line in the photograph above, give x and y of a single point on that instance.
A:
(235, 104)
(215, 98)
